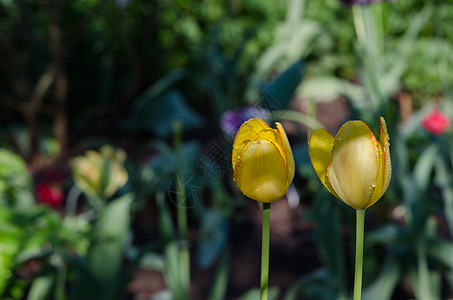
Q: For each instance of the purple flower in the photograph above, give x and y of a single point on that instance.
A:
(362, 2)
(232, 119)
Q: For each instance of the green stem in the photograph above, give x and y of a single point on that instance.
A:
(183, 233)
(265, 251)
(181, 210)
(360, 214)
(181, 207)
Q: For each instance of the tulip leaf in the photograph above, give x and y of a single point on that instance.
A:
(158, 89)
(172, 270)
(382, 288)
(152, 261)
(294, 40)
(444, 180)
(254, 294)
(389, 83)
(163, 295)
(40, 288)
(158, 115)
(164, 163)
(315, 285)
(329, 88)
(425, 290)
(441, 251)
(386, 234)
(159, 106)
(424, 166)
(219, 285)
(278, 94)
(213, 237)
(329, 242)
(412, 125)
(104, 258)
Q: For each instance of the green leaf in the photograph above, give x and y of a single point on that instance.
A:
(315, 285)
(425, 291)
(441, 251)
(413, 31)
(385, 235)
(11, 236)
(109, 236)
(163, 295)
(165, 161)
(424, 166)
(218, 289)
(295, 116)
(172, 271)
(279, 93)
(443, 179)
(166, 227)
(159, 106)
(329, 88)
(254, 294)
(104, 258)
(412, 125)
(383, 287)
(153, 261)
(157, 89)
(330, 245)
(15, 181)
(213, 237)
(13, 169)
(40, 288)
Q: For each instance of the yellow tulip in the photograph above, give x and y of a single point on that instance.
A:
(263, 161)
(354, 166)
(100, 173)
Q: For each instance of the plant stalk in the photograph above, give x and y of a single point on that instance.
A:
(181, 209)
(265, 251)
(360, 224)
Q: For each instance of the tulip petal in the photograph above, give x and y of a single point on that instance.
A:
(261, 171)
(254, 130)
(385, 168)
(288, 155)
(320, 149)
(353, 171)
(384, 139)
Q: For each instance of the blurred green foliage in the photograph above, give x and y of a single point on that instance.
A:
(81, 74)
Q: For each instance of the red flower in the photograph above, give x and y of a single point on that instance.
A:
(436, 122)
(49, 194)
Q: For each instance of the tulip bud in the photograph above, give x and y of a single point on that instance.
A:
(102, 173)
(263, 161)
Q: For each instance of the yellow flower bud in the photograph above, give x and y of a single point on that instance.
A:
(354, 166)
(101, 173)
(263, 161)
